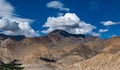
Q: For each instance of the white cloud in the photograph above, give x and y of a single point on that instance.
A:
(103, 30)
(95, 34)
(13, 25)
(108, 23)
(5, 9)
(70, 22)
(16, 27)
(57, 5)
(114, 35)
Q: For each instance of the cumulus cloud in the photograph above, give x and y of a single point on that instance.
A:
(16, 27)
(109, 23)
(103, 30)
(57, 5)
(71, 23)
(5, 9)
(13, 25)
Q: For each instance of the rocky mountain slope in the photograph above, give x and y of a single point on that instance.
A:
(61, 50)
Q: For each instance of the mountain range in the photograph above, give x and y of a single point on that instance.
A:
(60, 50)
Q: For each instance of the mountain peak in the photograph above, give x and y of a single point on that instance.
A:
(67, 34)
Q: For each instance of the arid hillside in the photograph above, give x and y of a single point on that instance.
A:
(61, 50)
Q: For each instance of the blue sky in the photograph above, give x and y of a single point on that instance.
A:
(102, 16)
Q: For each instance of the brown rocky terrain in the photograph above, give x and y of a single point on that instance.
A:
(61, 50)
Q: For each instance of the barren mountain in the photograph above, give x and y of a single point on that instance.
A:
(61, 50)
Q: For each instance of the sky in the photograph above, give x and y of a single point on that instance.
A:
(39, 17)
